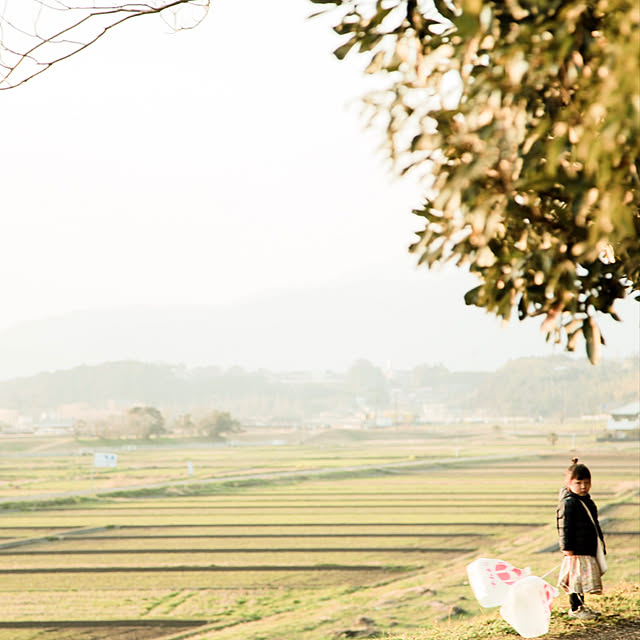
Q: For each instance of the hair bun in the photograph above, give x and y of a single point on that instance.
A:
(574, 460)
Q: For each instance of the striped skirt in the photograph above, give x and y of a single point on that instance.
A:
(580, 574)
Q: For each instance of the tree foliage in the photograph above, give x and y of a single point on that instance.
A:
(217, 424)
(560, 387)
(183, 423)
(523, 120)
(146, 422)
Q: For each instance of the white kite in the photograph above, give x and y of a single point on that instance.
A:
(525, 601)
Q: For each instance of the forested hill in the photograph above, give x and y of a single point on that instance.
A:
(559, 387)
(549, 387)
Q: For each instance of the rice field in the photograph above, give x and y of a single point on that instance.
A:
(206, 560)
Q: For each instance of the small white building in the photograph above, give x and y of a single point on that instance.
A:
(626, 418)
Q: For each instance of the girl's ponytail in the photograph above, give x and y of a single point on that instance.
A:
(578, 471)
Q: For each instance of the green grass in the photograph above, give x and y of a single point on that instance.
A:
(617, 606)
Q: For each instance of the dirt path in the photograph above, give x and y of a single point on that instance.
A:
(100, 630)
(628, 630)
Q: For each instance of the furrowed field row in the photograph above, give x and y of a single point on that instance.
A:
(270, 502)
(255, 525)
(245, 466)
(72, 468)
(73, 555)
(320, 567)
(167, 495)
(251, 531)
(229, 562)
(209, 604)
(240, 508)
(299, 508)
(99, 505)
(250, 538)
(223, 578)
(65, 473)
(224, 500)
(218, 487)
(69, 553)
(614, 467)
(415, 493)
(81, 604)
(488, 490)
(301, 520)
(416, 490)
(76, 540)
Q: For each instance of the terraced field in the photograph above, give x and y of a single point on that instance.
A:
(199, 561)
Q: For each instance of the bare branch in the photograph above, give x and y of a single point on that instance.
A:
(36, 34)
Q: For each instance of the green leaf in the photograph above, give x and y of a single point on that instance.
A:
(344, 49)
(472, 296)
(592, 336)
(444, 10)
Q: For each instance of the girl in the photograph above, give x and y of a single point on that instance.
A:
(578, 532)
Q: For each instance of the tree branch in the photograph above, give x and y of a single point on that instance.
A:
(35, 36)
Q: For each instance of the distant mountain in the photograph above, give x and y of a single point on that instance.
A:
(398, 323)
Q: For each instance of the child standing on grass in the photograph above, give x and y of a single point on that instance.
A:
(579, 532)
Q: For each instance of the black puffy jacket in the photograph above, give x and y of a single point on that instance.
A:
(575, 530)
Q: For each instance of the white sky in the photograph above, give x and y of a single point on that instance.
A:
(193, 167)
(200, 167)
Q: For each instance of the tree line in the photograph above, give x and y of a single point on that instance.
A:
(208, 401)
(149, 422)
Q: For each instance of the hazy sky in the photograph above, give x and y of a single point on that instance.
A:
(201, 167)
(194, 167)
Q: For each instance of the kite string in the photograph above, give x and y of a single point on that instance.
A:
(551, 571)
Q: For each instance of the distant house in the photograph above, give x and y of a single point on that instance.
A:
(624, 419)
(52, 427)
